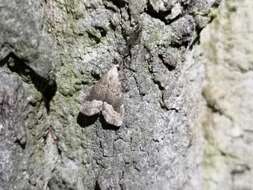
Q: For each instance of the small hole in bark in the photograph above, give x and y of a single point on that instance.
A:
(161, 15)
(118, 3)
(21, 144)
(102, 31)
(97, 187)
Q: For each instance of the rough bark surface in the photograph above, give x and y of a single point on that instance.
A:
(227, 54)
(52, 51)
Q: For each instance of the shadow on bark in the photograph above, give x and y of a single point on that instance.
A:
(47, 87)
(86, 121)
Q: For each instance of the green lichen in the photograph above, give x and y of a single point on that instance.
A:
(70, 81)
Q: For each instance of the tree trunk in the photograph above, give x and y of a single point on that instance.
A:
(227, 55)
(54, 51)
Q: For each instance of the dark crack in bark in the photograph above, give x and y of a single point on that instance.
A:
(47, 87)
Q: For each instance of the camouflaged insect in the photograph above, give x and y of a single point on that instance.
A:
(106, 97)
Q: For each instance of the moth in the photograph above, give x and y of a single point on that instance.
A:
(106, 97)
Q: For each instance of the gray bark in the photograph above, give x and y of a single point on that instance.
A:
(227, 54)
(52, 51)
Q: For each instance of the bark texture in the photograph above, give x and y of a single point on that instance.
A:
(52, 51)
(227, 54)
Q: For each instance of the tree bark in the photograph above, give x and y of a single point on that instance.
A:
(54, 51)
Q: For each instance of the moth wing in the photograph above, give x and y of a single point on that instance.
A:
(106, 96)
(93, 102)
(92, 107)
(114, 94)
(111, 116)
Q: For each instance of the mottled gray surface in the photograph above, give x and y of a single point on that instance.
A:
(12, 132)
(22, 34)
(227, 53)
(159, 145)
